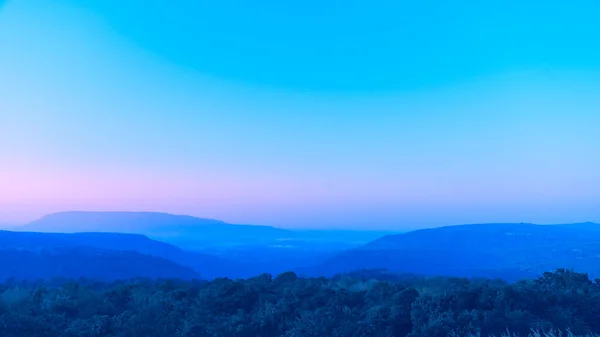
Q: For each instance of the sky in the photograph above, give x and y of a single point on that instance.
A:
(312, 114)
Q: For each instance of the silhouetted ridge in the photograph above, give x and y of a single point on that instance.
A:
(207, 265)
(88, 262)
(506, 250)
(182, 230)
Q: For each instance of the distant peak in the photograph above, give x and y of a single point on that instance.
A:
(124, 215)
(152, 224)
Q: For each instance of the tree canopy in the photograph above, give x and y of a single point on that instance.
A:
(361, 304)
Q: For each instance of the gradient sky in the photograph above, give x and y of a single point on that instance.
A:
(380, 114)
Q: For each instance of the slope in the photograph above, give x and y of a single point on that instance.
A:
(488, 250)
(208, 266)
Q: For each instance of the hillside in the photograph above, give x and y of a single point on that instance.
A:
(87, 262)
(487, 250)
(207, 265)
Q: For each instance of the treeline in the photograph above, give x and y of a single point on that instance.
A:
(288, 306)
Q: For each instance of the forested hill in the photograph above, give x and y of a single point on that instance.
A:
(19, 249)
(510, 251)
(288, 306)
(87, 262)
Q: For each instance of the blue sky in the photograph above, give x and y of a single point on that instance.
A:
(334, 114)
(359, 46)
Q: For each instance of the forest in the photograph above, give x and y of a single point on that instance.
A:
(364, 303)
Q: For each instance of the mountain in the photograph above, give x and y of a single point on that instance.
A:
(223, 249)
(198, 233)
(207, 266)
(77, 262)
(484, 250)
(182, 230)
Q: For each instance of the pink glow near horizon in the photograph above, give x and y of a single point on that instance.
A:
(88, 121)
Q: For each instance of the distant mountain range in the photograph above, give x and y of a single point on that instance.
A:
(77, 262)
(222, 249)
(508, 251)
(117, 244)
(196, 233)
(213, 248)
(157, 225)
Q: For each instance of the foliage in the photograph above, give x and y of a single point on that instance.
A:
(290, 306)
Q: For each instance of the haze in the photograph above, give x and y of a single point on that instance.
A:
(269, 114)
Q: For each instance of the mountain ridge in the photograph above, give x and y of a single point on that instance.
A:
(190, 232)
(208, 266)
(180, 230)
(70, 220)
(515, 249)
(87, 262)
